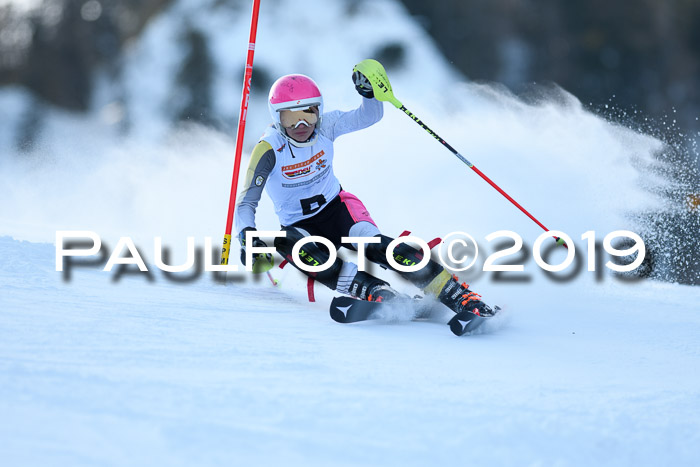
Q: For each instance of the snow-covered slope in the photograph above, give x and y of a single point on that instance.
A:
(139, 373)
(104, 369)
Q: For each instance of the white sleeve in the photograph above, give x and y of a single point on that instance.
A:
(338, 123)
(262, 162)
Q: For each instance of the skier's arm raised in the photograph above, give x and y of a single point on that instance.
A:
(338, 123)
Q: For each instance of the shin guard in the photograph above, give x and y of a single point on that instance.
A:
(310, 254)
(376, 252)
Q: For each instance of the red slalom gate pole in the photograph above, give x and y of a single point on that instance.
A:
(226, 249)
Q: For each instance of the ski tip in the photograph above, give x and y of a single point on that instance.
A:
(349, 310)
(338, 316)
(464, 322)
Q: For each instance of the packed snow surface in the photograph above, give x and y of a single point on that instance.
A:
(142, 373)
(131, 368)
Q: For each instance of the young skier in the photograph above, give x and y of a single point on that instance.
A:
(293, 161)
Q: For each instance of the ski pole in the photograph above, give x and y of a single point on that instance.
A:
(226, 249)
(274, 281)
(375, 73)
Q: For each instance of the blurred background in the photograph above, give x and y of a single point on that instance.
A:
(635, 54)
(639, 56)
(82, 77)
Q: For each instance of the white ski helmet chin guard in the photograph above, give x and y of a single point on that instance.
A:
(294, 92)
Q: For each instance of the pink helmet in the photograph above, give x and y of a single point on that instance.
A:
(294, 92)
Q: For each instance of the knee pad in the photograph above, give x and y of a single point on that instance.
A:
(363, 229)
(310, 254)
(376, 252)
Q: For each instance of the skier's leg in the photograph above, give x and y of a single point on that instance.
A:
(341, 276)
(433, 278)
(456, 296)
(376, 252)
(352, 218)
(310, 254)
(363, 229)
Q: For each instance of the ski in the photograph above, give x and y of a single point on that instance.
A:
(345, 309)
(466, 322)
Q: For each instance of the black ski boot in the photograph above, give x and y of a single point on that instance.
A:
(367, 287)
(457, 296)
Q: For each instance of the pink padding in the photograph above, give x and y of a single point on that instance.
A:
(357, 210)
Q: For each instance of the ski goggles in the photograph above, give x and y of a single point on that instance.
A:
(292, 118)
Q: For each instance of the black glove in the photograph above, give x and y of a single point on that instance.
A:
(256, 243)
(362, 85)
